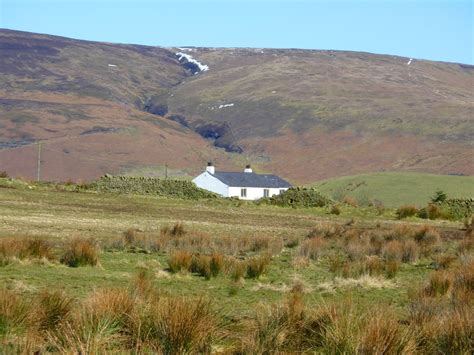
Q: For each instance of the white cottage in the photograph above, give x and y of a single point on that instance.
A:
(245, 185)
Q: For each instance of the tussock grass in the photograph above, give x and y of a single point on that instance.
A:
(312, 248)
(80, 252)
(14, 314)
(257, 265)
(180, 260)
(180, 325)
(24, 248)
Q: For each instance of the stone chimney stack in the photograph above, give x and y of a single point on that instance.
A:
(248, 169)
(210, 168)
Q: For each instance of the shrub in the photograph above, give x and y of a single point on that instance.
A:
(4, 175)
(439, 196)
(180, 260)
(300, 197)
(149, 186)
(80, 252)
(406, 211)
(257, 265)
(312, 248)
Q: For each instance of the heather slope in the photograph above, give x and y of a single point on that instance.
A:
(302, 114)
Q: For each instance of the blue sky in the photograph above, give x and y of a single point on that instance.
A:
(436, 29)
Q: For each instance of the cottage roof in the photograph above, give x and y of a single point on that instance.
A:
(237, 179)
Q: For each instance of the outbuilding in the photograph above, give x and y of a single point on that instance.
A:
(245, 185)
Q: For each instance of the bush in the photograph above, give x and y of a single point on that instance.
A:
(80, 252)
(149, 186)
(300, 197)
(4, 175)
(439, 196)
(238, 270)
(406, 211)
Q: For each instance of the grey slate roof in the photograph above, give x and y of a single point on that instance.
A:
(251, 180)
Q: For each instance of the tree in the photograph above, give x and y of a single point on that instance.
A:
(439, 196)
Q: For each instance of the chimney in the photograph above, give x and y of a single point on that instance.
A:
(248, 169)
(210, 168)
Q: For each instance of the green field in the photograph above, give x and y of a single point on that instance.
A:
(395, 189)
(238, 232)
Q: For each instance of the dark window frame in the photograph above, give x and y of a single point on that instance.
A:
(266, 192)
(243, 192)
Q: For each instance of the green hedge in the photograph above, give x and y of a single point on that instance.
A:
(149, 186)
(300, 197)
(459, 207)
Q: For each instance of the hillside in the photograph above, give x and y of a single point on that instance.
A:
(303, 114)
(396, 189)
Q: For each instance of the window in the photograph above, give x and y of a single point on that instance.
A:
(281, 191)
(266, 192)
(243, 192)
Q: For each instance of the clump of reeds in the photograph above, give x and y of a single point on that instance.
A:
(312, 248)
(257, 265)
(180, 325)
(80, 252)
(24, 248)
(180, 260)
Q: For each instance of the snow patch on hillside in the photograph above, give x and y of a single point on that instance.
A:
(226, 105)
(190, 59)
(409, 62)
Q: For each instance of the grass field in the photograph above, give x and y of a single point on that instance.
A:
(396, 189)
(304, 247)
